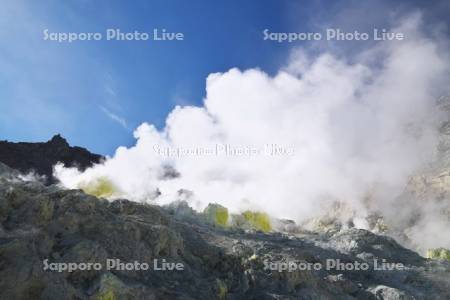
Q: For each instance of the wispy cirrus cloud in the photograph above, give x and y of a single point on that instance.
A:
(114, 117)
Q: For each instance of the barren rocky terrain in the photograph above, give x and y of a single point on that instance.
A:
(46, 223)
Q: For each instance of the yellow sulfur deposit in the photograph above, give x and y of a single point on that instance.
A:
(216, 214)
(439, 253)
(222, 289)
(99, 187)
(258, 220)
(109, 295)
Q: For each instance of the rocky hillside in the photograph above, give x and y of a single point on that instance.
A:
(44, 229)
(41, 157)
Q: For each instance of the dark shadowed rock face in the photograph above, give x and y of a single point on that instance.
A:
(41, 157)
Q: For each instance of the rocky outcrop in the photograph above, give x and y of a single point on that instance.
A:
(41, 157)
(44, 228)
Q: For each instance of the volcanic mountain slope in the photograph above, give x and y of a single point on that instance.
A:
(41, 157)
(41, 222)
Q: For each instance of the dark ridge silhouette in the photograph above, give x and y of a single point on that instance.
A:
(41, 157)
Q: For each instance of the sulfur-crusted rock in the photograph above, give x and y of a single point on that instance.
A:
(249, 220)
(216, 214)
(100, 187)
(439, 253)
(258, 220)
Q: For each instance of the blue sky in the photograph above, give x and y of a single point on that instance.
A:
(95, 93)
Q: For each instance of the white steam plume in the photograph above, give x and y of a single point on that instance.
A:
(356, 129)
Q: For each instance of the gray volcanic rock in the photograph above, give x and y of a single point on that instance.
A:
(40, 223)
(41, 157)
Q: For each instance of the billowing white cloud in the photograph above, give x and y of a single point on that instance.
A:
(344, 131)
